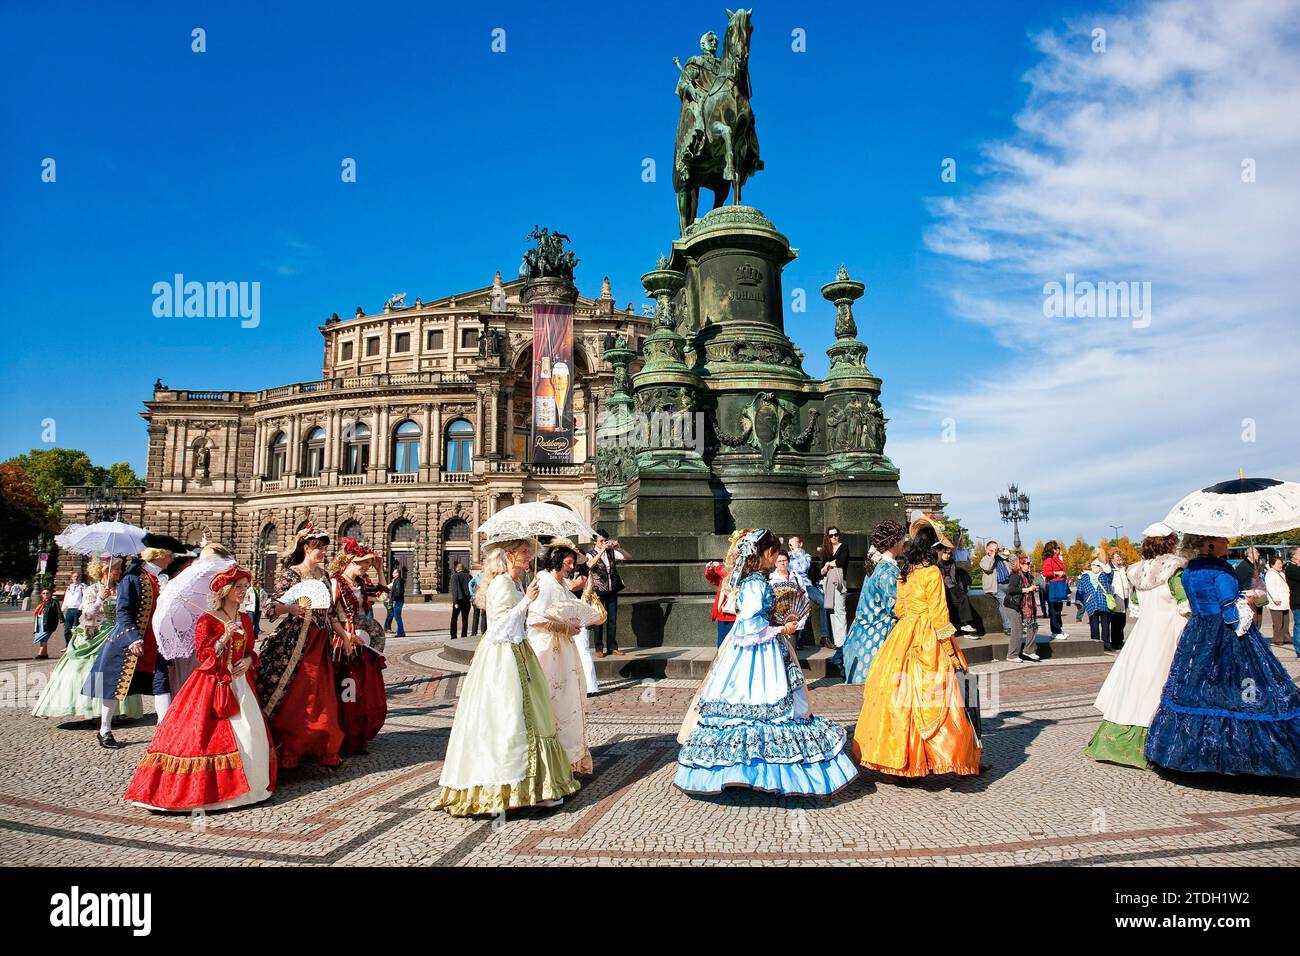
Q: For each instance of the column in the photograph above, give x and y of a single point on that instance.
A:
(480, 428)
(259, 448)
(510, 425)
(295, 442)
(331, 440)
(426, 442)
(385, 438)
(435, 458)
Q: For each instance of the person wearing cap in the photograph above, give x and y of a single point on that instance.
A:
(916, 716)
(128, 661)
(214, 750)
(296, 681)
(358, 663)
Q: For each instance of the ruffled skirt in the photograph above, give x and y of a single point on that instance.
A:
(1229, 706)
(756, 730)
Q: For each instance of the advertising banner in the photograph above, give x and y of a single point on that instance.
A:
(552, 416)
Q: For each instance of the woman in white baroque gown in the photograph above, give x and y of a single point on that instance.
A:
(556, 650)
(504, 752)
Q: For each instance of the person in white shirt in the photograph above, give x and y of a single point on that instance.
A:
(1279, 600)
(72, 601)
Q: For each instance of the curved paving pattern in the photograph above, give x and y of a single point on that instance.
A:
(1039, 800)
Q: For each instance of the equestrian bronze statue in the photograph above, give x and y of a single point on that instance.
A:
(717, 145)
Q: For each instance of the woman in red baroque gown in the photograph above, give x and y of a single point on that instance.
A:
(295, 678)
(358, 662)
(213, 749)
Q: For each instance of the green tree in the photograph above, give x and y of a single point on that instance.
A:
(23, 516)
(120, 474)
(1277, 537)
(52, 470)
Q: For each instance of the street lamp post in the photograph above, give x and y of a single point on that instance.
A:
(104, 504)
(1014, 508)
(1115, 528)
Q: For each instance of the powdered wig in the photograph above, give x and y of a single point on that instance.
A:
(494, 563)
(156, 555)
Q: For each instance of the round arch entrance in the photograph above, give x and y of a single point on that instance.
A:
(455, 547)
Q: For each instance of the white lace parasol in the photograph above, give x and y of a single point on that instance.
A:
(1242, 506)
(187, 597)
(534, 519)
(104, 537)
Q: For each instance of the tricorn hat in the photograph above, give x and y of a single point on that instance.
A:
(164, 542)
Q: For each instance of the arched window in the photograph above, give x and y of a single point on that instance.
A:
(460, 445)
(313, 453)
(279, 456)
(356, 449)
(406, 447)
(352, 529)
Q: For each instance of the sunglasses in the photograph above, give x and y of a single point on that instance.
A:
(832, 534)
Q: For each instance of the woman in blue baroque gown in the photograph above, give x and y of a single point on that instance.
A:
(753, 725)
(875, 616)
(1228, 705)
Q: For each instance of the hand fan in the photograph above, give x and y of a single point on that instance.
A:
(312, 594)
(573, 611)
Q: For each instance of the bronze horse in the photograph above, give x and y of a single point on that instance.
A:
(729, 154)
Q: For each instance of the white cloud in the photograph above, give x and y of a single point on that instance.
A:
(1126, 166)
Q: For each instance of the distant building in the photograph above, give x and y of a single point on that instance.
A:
(415, 433)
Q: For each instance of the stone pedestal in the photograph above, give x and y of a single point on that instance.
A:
(781, 450)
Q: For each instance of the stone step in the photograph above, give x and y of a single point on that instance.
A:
(687, 663)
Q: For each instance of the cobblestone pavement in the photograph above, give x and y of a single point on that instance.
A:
(1038, 801)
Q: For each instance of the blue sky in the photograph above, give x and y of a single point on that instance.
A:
(225, 166)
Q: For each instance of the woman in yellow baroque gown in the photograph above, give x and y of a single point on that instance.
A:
(913, 719)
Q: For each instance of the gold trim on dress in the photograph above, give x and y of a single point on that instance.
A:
(172, 764)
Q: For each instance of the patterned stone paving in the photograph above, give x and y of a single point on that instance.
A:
(1038, 801)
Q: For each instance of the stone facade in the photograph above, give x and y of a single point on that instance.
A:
(415, 433)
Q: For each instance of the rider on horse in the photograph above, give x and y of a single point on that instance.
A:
(698, 76)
